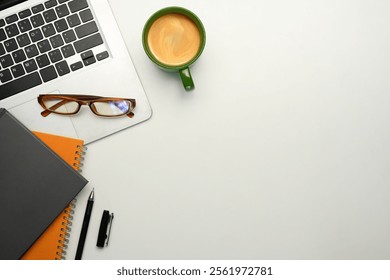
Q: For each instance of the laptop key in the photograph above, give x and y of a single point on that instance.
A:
(86, 15)
(77, 5)
(6, 61)
(62, 1)
(88, 43)
(73, 20)
(69, 36)
(12, 30)
(30, 65)
(56, 41)
(36, 35)
(61, 25)
(88, 58)
(62, 11)
(50, 4)
(86, 55)
(5, 76)
(3, 36)
(89, 61)
(102, 55)
(31, 51)
(2, 50)
(37, 8)
(25, 13)
(24, 25)
(48, 73)
(11, 45)
(67, 51)
(44, 46)
(42, 61)
(48, 30)
(11, 18)
(55, 56)
(18, 85)
(49, 15)
(23, 40)
(37, 20)
(86, 29)
(2, 22)
(19, 56)
(76, 66)
(17, 70)
(62, 68)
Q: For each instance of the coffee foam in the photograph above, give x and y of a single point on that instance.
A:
(174, 39)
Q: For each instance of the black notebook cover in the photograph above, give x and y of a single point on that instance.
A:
(35, 186)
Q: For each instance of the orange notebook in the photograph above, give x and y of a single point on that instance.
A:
(51, 245)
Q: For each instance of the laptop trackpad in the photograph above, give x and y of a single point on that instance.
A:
(29, 113)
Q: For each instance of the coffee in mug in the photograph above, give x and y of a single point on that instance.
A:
(174, 38)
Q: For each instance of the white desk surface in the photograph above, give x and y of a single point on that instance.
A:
(281, 152)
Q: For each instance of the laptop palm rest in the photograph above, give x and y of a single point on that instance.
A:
(30, 113)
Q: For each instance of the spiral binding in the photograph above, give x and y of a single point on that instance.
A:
(79, 157)
(69, 211)
(65, 230)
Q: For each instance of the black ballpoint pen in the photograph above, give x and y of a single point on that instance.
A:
(84, 228)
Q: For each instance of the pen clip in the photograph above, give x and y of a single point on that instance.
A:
(105, 229)
(109, 229)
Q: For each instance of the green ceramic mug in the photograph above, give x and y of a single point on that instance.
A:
(174, 38)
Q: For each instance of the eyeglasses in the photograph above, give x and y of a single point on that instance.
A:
(69, 104)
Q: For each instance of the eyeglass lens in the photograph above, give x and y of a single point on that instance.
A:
(112, 108)
(61, 106)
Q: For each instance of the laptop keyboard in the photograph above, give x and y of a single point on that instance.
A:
(45, 42)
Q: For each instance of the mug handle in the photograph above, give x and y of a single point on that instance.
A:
(186, 78)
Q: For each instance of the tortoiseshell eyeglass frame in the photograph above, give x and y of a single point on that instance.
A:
(87, 100)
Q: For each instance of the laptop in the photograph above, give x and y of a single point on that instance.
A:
(65, 47)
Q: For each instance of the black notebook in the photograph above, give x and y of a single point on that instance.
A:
(35, 186)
